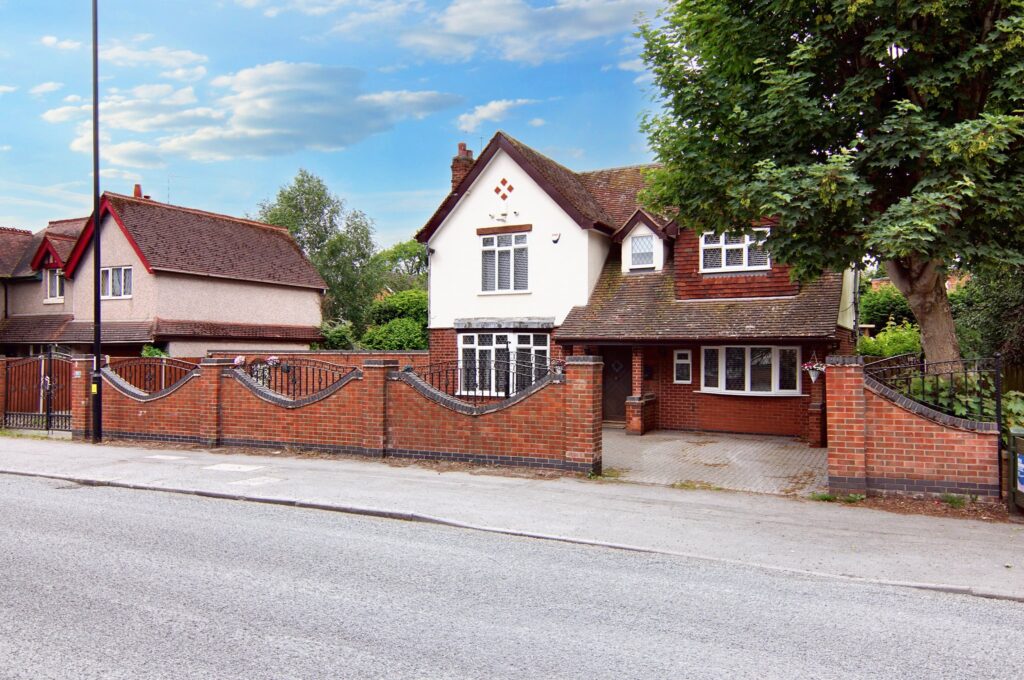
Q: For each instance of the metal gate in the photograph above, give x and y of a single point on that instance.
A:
(39, 393)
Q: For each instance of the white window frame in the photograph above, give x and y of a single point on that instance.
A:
(774, 392)
(516, 344)
(511, 249)
(682, 356)
(58, 278)
(106, 287)
(633, 266)
(721, 245)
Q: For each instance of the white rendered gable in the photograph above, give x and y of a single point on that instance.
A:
(564, 260)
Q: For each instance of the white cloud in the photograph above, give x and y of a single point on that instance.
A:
(492, 111)
(6, 89)
(4, 148)
(265, 110)
(379, 12)
(117, 173)
(272, 8)
(634, 65)
(46, 88)
(72, 99)
(514, 30)
(186, 74)
(163, 57)
(56, 43)
(537, 122)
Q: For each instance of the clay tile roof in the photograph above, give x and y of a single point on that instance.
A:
(643, 307)
(80, 332)
(171, 328)
(35, 328)
(173, 238)
(13, 244)
(615, 189)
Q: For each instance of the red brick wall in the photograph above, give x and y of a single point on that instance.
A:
(182, 415)
(443, 345)
(690, 283)
(881, 447)
(847, 341)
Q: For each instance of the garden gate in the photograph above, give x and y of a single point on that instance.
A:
(38, 393)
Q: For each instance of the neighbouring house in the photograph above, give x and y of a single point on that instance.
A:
(530, 261)
(184, 280)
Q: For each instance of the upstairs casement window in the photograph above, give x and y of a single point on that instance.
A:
(501, 363)
(54, 285)
(504, 263)
(751, 370)
(641, 254)
(115, 283)
(734, 252)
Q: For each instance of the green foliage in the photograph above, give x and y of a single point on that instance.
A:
(990, 310)
(953, 500)
(154, 352)
(337, 335)
(338, 242)
(886, 130)
(852, 498)
(407, 303)
(823, 497)
(403, 266)
(400, 333)
(895, 339)
(879, 306)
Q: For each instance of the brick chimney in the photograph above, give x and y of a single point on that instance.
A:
(461, 164)
(138, 191)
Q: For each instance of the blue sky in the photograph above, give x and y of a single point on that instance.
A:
(220, 103)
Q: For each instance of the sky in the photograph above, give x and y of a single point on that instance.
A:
(216, 104)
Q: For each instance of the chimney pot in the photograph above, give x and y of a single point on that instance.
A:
(148, 197)
(138, 191)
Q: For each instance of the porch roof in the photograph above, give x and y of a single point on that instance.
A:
(642, 307)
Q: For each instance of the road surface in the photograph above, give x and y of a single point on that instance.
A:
(100, 582)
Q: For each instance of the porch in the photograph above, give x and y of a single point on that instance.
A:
(711, 460)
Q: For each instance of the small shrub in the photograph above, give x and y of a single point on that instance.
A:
(852, 498)
(878, 307)
(410, 304)
(153, 352)
(337, 335)
(895, 339)
(953, 500)
(401, 333)
(822, 496)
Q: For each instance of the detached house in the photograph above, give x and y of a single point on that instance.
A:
(530, 261)
(185, 280)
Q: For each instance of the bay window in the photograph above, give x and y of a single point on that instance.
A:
(751, 370)
(501, 363)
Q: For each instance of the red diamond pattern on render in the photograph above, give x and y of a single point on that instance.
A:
(503, 189)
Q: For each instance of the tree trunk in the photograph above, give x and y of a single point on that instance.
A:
(923, 283)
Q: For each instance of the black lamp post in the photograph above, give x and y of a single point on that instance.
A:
(97, 336)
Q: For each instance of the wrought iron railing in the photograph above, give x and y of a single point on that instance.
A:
(151, 374)
(967, 388)
(297, 378)
(479, 380)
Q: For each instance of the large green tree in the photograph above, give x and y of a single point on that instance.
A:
(339, 243)
(403, 266)
(881, 129)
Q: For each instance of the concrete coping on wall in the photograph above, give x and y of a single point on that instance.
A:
(133, 392)
(641, 399)
(927, 412)
(448, 401)
(844, 360)
(269, 395)
(378, 363)
(583, 359)
(499, 324)
(314, 352)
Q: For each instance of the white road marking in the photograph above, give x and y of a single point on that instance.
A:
(255, 481)
(163, 457)
(231, 467)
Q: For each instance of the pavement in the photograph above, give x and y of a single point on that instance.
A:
(114, 583)
(762, 464)
(770, 532)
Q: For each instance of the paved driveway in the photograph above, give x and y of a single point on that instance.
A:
(778, 465)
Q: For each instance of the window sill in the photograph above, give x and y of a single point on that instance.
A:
(53, 301)
(504, 292)
(121, 297)
(735, 270)
(726, 393)
(682, 382)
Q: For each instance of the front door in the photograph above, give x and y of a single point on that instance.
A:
(618, 381)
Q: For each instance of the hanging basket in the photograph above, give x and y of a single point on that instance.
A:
(814, 373)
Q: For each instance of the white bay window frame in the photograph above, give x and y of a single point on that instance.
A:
(517, 349)
(722, 377)
(733, 243)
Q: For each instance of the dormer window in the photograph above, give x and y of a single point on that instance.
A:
(734, 252)
(504, 263)
(642, 251)
(54, 286)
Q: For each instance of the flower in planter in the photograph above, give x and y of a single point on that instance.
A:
(239, 360)
(273, 361)
(813, 368)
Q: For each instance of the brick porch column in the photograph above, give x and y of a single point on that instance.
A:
(816, 412)
(583, 437)
(211, 379)
(81, 397)
(3, 389)
(846, 408)
(375, 384)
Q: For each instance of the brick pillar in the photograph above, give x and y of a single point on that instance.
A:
(583, 437)
(81, 398)
(846, 408)
(638, 372)
(3, 390)
(375, 384)
(211, 379)
(816, 412)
